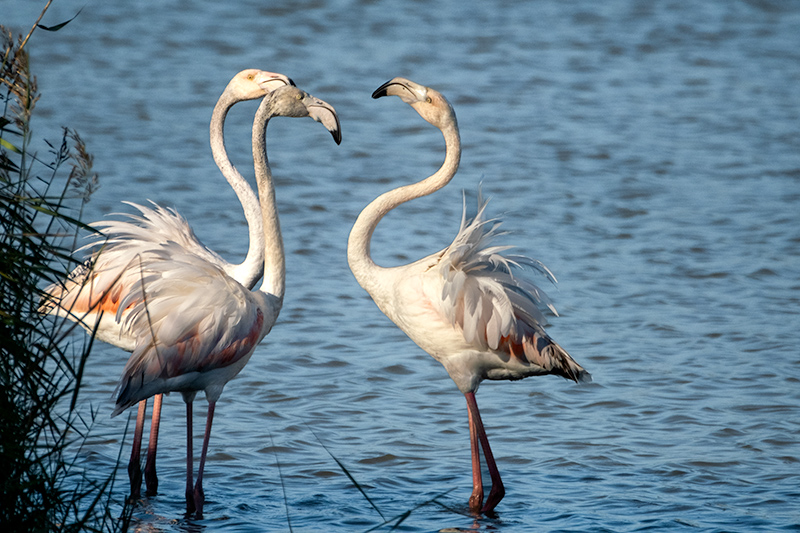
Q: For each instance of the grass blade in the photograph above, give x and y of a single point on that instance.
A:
(347, 473)
(283, 485)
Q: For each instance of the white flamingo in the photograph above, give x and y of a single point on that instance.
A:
(91, 294)
(195, 326)
(462, 304)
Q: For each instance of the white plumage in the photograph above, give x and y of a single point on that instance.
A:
(92, 293)
(194, 326)
(463, 305)
(190, 319)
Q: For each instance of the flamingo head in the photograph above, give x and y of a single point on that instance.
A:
(429, 103)
(290, 101)
(253, 83)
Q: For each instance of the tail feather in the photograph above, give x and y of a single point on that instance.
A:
(537, 348)
(566, 365)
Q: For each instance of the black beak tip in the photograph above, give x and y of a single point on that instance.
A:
(381, 91)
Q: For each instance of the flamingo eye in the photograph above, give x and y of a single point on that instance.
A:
(429, 100)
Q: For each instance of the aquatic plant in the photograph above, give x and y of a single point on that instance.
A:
(43, 486)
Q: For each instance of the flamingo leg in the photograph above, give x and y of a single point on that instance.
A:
(134, 468)
(199, 495)
(476, 499)
(497, 491)
(189, 460)
(150, 476)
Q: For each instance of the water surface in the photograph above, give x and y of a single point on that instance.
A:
(647, 152)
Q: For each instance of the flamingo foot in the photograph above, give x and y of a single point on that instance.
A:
(190, 506)
(495, 495)
(150, 480)
(476, 500)
(135, 475)
(199, 500)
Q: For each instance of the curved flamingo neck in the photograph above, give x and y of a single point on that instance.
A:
(274, 265)
(248, 272)
(358, 244)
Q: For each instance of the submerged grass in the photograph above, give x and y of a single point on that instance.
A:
(42, 430)
(393, 522)
(283, 485)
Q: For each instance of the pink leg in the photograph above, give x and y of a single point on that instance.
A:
(199, 496)
(189, 460)
(150, 476)
(134, 469)
(497, 491)
(476, 499)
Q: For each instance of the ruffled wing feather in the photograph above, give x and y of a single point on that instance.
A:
(495, 309)
(155, 226)
(99, 284)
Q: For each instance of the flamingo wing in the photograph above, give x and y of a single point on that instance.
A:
(189, 319)
(494, 309)
(156, 225)
(101, 282)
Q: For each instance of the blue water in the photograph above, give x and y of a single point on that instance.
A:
(647, 152)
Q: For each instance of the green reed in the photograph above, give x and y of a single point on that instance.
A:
(43, 486)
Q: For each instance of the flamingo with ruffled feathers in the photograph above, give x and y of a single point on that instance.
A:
(91, 294)
(462, 305)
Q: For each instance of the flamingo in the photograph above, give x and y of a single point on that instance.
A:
(92, 292)
(195, 325)
(462, 304)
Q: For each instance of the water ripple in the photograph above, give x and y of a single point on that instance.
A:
(646, 152)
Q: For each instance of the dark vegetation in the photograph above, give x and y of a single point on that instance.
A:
(43, 426)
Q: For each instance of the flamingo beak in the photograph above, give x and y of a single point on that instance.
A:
(324, 113)
(408, 91)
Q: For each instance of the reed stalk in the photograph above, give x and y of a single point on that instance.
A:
(44, 483)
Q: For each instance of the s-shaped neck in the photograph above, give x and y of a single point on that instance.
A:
(358, 244)
(248, 272)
